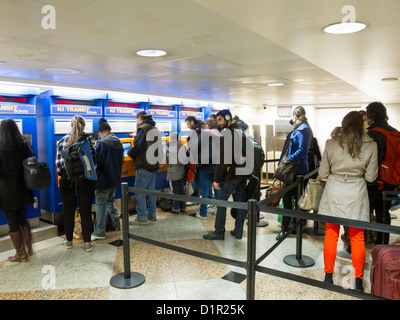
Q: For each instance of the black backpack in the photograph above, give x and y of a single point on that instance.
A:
(36, 173)
(259, 154)
(78, 161)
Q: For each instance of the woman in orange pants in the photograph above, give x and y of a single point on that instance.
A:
(350, 159)
(357, 249)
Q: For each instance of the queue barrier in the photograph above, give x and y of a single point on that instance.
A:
(129, 279)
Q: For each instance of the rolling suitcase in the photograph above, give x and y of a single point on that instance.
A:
(385, 271)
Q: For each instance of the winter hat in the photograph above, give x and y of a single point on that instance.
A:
(103, 125)
(142, 114)
(226, 114)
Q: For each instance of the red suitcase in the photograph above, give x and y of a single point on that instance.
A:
(385, 271)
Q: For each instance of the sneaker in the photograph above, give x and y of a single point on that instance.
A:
(173, 211)
(137, 222)
(94, 238)
(183, 210)
(154, 218)
(198, 216)
(67, 244)
(88, 246)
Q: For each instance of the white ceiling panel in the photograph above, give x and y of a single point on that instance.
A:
(225, 50)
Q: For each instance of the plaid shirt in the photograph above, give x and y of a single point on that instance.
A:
(61, 146)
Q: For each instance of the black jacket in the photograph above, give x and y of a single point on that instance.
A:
(13, 192)
(109, 153)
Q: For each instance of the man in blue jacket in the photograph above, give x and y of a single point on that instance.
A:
(109, 153)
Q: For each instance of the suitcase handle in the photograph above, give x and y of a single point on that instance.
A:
(396, 242)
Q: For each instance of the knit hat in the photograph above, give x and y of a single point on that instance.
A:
(226, 114)
(103, 125)
(142, 114)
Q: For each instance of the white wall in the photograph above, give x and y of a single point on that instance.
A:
(321, 120)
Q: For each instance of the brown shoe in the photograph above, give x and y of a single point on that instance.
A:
(27, 235)
(19, 245)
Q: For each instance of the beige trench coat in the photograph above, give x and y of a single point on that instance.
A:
(345, 194)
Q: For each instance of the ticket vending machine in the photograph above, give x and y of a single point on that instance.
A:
(19, 104)
(166, 118)
(56, 108)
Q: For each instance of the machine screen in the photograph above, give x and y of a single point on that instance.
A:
(126, 146)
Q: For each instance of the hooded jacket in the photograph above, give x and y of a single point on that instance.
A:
(109, 153)
(140, 146)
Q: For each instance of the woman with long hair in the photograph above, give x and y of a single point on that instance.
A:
(14, 196)
(82, 189)
(350, 159)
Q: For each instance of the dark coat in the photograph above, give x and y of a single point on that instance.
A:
(109, 153)
(13, 192)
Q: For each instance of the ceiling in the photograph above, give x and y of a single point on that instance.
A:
(218, 50)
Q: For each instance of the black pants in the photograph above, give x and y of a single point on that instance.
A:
(84, 193)
(287, 204)
(16, 219)
(382, 216)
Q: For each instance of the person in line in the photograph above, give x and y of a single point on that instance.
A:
(146, 169)
(206, 147)
(176, 170)
(376, 117)
(227, 179)
(195, 125)
(349, 160)
(14, 196)
(109, 153)
(212, 125)
(82, 189)
(296, 146)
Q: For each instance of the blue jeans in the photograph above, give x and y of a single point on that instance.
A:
(178, 187)
(238, 187)
(105, 206)
(206, 177)
(145, 180)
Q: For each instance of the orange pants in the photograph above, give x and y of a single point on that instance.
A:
(357, 248)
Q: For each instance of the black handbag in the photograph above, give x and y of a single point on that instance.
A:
(287, 170)
(36, 173)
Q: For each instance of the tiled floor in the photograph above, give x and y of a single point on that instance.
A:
(54, 272)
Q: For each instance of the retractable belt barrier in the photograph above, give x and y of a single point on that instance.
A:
(129, 279)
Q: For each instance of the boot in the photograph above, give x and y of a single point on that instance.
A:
(329, 278)
(359, 285)
(19, 245)
(26, 233)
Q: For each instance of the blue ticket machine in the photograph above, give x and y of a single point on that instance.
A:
(56, 108)
(166, 118)
(19, 104)
(120, 112)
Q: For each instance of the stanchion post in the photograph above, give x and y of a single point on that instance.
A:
(251, 249)
(299, 260)
(127, 279)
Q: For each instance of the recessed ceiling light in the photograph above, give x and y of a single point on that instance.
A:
(2, 62)
(390, 79)
(64, 71)
(151, 53)
(345, 28)
(275, 84)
